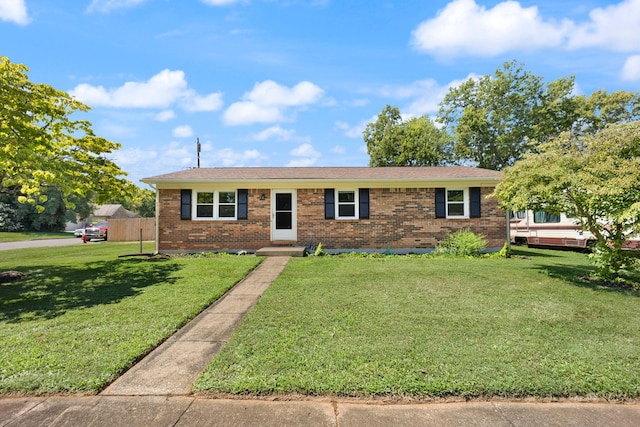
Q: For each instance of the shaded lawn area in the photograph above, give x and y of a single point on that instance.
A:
(83, 315)
(426, 327)
(6, 236)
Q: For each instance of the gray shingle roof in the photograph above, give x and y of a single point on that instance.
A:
(113, 210)
(327, 173)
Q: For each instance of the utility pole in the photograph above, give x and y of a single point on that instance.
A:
(198, 148)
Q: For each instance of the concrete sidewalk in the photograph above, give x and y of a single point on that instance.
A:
(183, 411)
(157, 391)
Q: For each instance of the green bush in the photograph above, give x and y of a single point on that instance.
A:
(9, 220)
(463, 242)
(319, 250)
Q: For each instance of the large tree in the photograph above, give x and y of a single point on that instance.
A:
(496, 119)
(43, 144)
(594, 178)
(392, 141)
(602, 108)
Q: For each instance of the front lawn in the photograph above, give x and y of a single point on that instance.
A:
(427, 327)
(83, 315)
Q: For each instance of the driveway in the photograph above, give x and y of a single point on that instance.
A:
(39, 243)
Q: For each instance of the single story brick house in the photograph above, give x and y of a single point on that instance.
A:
(405, 209)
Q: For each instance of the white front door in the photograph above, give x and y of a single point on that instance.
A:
(283, 215)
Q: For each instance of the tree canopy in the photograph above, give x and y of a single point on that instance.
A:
(43, 146)
(492, 121)
(495, 119)
(594, 178)
(392, 141)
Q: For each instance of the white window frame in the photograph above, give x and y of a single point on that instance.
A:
(216, 206)
(465, 202)
(356, 203)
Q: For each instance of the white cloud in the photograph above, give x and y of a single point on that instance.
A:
(424, 95)
(160, 91)
(338, 149)
(229, 157)
(268, 102)
(271, 93)
(195, 103)
(306, 156)
(304, 150)
(631, 69)
(182, 132)
(615, 27)
(179, 154)
(274, 132)
(133, 156)
(165, 116)
(241, 113)
(353, 131)
(14, 11)
(106, 6)
(465, 28)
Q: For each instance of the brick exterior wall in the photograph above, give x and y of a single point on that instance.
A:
(399, 218)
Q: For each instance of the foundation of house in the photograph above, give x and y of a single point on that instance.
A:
(294, 251)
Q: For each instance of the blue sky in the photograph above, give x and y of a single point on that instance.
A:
(294, 82)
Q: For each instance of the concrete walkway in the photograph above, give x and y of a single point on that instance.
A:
(173, 367)
(156, 391)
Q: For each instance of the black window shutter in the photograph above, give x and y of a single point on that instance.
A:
(329, 204)
(243, 204)
(185, 204)
(363, 200)
(441, 204)
(474, 193)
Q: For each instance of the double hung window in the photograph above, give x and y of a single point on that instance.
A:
(347, 204)
(215, 205)
(458, 203)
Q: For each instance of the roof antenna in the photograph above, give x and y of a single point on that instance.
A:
(198, 149)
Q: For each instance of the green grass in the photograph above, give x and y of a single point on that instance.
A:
(6, 236)
(426, 327)
(83, 315)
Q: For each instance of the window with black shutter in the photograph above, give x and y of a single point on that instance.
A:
(329, 204)
(243, 204)
(441, 203)
(363, 196)
(474, 198)
(185, 204)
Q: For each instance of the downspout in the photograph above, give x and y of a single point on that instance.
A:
(157, 217)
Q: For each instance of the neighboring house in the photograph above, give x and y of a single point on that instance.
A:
(107, 212)
(102, 213)
(405, 209)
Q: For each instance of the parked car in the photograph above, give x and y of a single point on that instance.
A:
(96, 231)
(78, 232)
